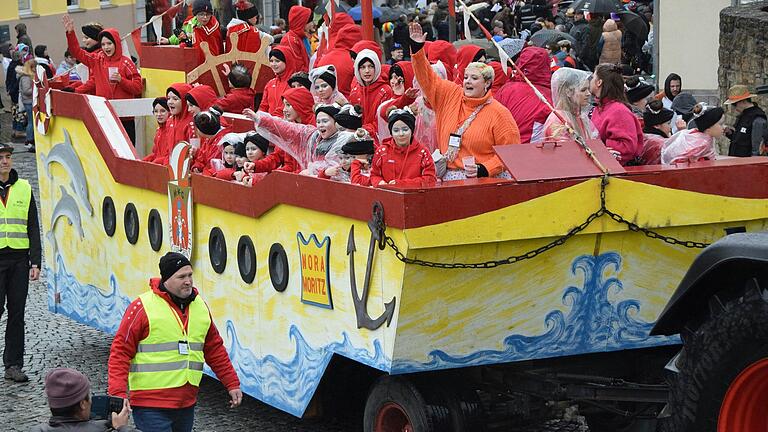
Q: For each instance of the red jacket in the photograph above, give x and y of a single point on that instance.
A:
(134, 328)
(278, 160)
(407, 166)
(237, 100)
(339, 57)
(340, 20)
(210, 33)
(248, 36)
(161, 148)
(180, 127)
(272, 97)
(356, 175)
(293, 41)
(209, 149)
(444, 52)
(204, 95)
(99, 63)
(619, 129)
(370, 97)
(520, 99)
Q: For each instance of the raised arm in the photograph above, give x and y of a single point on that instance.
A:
(435, 89)
(293, 138)
(73, 45)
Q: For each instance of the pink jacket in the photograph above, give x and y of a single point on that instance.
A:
(619, 129)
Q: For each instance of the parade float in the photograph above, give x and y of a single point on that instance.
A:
(465, 306)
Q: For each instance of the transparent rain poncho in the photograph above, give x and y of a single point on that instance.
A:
(426, 132)
(686, 146)
(335, 97)
(566, 82)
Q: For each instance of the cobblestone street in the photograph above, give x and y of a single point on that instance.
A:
(54, 341)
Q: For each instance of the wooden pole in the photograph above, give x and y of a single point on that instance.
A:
(452, 21)
(366, 7)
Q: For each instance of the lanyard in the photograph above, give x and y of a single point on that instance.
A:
(179, 322)
(471, 117)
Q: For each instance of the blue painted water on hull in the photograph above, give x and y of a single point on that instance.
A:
(593, 324)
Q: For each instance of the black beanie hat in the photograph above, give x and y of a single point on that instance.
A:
(653, 117)
(163, 102)
(360, 143)
(202, 6)
(708, 118)
(329, 78)
(277, 53)
(638, 92)
(330, 109)
(405, 116)
(246, 10)
(207, 122)
(257, 139)
(302, 78)
(170, 263)
(240, 149)
(92, 30)
(396, 70)
(349, 117)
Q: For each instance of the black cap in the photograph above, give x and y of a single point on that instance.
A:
(258, 140)
(708, 118)
(6, 148)
(202, 6)
(360, 143)
(170, 263)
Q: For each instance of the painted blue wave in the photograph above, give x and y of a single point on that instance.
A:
(84, 303)
(290, 384)
(593, 324)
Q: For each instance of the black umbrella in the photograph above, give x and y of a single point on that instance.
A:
(543, 37)
(597, 6)
(635, 24)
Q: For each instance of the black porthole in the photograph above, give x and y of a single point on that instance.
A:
(278, 267)
(131, 223)
(217, 250)
(108, 216)
(155, 230)
(246, 259)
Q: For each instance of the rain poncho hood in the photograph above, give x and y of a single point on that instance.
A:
(336, 96)
(565, 82)
(686, 146)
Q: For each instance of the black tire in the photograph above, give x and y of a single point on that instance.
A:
(562, 426)
(426, 411)
(733, 337)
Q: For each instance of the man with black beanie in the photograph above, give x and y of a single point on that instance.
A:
(165, 336)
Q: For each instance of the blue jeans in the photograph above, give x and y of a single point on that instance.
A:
(30, 124)
(163, 419)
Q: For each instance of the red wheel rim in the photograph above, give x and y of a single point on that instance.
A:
(392, 418)
(744, 404)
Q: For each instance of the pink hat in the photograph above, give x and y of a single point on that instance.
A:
(66, 387)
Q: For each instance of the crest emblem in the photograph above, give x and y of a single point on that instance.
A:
(315, 271)
(180, 200)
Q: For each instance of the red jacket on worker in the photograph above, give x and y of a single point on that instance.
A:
(407, 166)
(295, 40)
(134, 328)
(519, 97)
(340, 58)
(129, 87)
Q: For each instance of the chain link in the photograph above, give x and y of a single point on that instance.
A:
(378, 222)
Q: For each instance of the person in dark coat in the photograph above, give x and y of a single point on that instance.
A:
(748, 136)
(22, 36)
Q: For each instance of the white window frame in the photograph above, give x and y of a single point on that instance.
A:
(75, 6)
(27, 10)
(103, 3)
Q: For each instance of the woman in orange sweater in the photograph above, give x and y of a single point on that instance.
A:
(469, 121)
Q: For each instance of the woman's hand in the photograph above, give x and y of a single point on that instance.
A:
(417, 34)
(69, 24)
(412, 93)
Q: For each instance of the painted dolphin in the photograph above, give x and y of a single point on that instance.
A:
(64, 154)
(67, 206)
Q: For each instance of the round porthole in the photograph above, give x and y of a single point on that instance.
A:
(155, 230)
(278, 267)
(246, 259)
(108, 216)
(131, 223)
(217, 250)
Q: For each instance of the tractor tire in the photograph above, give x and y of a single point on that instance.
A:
(562, 426)
(395, 404)
(730, 346)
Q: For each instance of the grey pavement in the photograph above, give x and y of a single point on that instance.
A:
(56, 341)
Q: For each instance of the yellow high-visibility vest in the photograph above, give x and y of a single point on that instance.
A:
(13, 216)
(170, 357)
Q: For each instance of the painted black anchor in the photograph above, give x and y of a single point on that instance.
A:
(361, 301)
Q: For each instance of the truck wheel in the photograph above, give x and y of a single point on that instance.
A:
(562, 426)
(396, 404)
(722, 384)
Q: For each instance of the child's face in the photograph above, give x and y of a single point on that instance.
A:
(174, 103)
(277, 65)
(345, 161)
(240, 161)
(228, 154)
(253, 153)
(289, 113)
(161, 114)
(193, 109)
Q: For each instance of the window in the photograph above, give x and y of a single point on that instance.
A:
(73, 4)
(105, 3)
(25, 6)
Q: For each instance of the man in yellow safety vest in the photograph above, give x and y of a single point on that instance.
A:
(158, 352)
(20, 256)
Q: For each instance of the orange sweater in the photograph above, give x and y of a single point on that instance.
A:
(493, 126)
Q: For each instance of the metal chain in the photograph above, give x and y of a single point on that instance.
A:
(381, 228)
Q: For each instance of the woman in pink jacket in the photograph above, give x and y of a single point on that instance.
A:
(619, 129)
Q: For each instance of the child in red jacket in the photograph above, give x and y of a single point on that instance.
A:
(160, 149)
(400, 160)
(225, 166)
(208, 128)
(360, 145)
(240, 95)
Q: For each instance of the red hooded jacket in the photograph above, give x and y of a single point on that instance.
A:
(340, 20)
(248, 36)
(204, 95)
(210, 33)
(293, 41)
(209, 149)
(499, 77)
(399, 101)
(302, 102)
(180, 127)
(518, 96)
(237, 100)
(161, 147)
(407, 166)
(371, 96)
(444, 52)
(129, 87)
(272, 99)
(339, 57)
(465, 56)
(134, 328)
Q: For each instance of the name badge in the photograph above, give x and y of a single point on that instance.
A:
(454, 140)
(183, 348)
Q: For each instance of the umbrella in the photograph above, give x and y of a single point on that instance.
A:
(357, 13)
(389, 14)
(635, 24)
(597, 6)
(543, 37)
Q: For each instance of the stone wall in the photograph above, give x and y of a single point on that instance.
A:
(743, 50)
